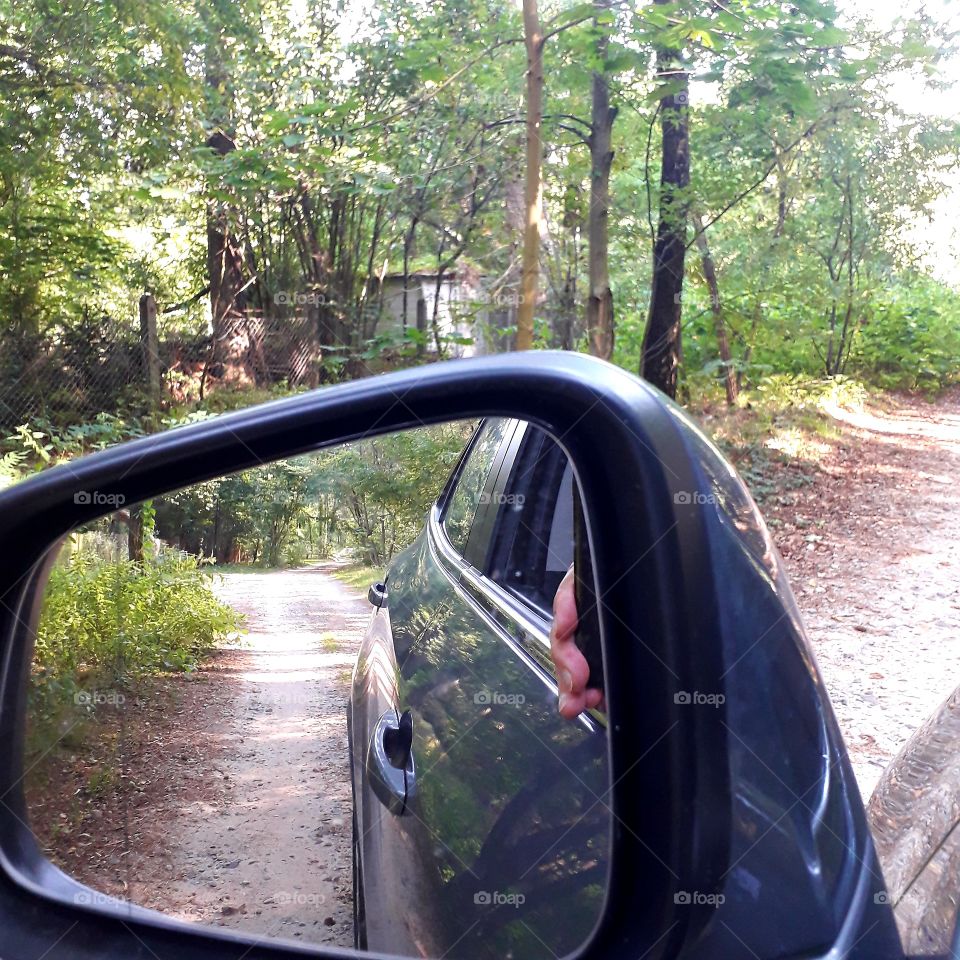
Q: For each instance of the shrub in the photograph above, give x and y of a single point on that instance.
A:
(109, 623)
(912, 339)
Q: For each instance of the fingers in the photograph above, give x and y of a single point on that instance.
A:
(564, 610)
(571, 704)
(570, 665)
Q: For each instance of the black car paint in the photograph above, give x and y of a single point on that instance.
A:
(690, 604)
(507, 838)
(790, 809)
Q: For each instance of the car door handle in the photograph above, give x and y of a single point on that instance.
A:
(377, 594)
(390, 767)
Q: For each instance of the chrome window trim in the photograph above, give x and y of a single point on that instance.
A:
(494, 604)
(527, 619)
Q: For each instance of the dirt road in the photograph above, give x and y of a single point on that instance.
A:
(271, 853)
(873, 552)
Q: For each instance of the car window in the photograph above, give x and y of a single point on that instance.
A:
(471, 483)
(560, 544)
(534, 541)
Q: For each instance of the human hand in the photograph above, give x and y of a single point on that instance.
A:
(570, 665)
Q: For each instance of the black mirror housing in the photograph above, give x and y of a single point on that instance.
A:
(377, 594)
(733, 799)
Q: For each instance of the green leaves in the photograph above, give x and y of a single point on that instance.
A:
(111, 622)
(579, 13)
(402, 138)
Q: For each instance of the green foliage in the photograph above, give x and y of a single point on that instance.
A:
(912, 338)
(42, 444)
(11, 467)
(247, 516)
(384, 486)
(358, 576)
(369, 497)
(373, 142)
(92, 97)
(105, 624)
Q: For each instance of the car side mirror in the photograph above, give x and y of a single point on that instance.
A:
(737, 827)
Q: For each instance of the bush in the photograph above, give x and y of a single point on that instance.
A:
(108, 623)
(913, 338)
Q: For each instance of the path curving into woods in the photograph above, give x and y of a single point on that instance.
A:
(270, 851)
(872, 547)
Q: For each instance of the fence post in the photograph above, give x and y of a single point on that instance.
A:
(151, 347)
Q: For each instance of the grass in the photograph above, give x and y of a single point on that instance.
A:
(783, 422)
(358, 576)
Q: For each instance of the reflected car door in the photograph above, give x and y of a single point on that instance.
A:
(509, 820)
(387, 837)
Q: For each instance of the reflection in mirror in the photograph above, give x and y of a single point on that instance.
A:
(316, 701)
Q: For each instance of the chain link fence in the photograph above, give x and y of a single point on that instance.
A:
(68, 376)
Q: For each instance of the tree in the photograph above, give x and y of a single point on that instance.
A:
(661, 349)
(533, 200)
(716, 308)
(600, 321)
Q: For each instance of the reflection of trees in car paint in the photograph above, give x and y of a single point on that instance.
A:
(508, 836)
(512, 795)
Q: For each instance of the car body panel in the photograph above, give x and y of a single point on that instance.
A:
(509, 831)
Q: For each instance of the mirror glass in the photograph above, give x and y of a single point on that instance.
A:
(316, 701)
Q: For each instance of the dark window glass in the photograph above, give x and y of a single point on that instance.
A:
(534, 544)
(471, 484)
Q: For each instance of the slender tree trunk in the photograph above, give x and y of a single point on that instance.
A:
(507, 302)
(225, 274)
(756, 319)
(846, 334)
(828, 362)
(716, 308)
(407, 252)
(600, 328)
(533, 37)
(135, 533)
(661, 351)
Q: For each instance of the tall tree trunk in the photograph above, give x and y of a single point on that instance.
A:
(226, 275)
(600, 329)
(533, 37)
(661, 351)
(716, 308)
